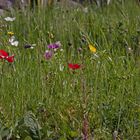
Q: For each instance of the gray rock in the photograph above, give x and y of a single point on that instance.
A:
(69, 4)
(6, 4)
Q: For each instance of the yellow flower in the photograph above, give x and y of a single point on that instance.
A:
(92, 48)
(10, 33)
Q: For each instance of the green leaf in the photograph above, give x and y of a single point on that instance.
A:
(4, 131)
(28, 138)
(62, 138)
(73, 134)
(29, 126)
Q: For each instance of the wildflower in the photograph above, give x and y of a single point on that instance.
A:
(10, 58)
(48, 54)
(10, 19)
(11, 33)
(61, 50)
(54, 45)
(11, 39)
(28, 46)
(5, 55)
(74, 66)
(33, 45)
(92, 48)
(13, 42)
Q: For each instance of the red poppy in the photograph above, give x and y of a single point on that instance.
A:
(10, 58)
(74, 66)
(5, 55)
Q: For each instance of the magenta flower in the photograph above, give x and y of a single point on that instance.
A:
(48, 54)
(54, 45)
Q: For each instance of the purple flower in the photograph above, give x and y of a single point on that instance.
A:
(48, 54)
(54, 45)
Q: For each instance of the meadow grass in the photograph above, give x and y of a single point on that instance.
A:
(105, 90)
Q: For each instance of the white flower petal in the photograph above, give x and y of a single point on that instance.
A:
(14, 43)
(10, 19)
(32, 47)
(61, 50)
(12, 38)
(58, 43)
(61, 67)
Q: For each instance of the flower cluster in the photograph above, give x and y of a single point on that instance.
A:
(13, 42)
(12, 39)
(51, 48)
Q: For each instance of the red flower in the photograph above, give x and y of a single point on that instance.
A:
(74, 66)
(5, 55)
(10, 58)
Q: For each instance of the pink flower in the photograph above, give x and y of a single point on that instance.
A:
(54, 45)
(48, 54)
